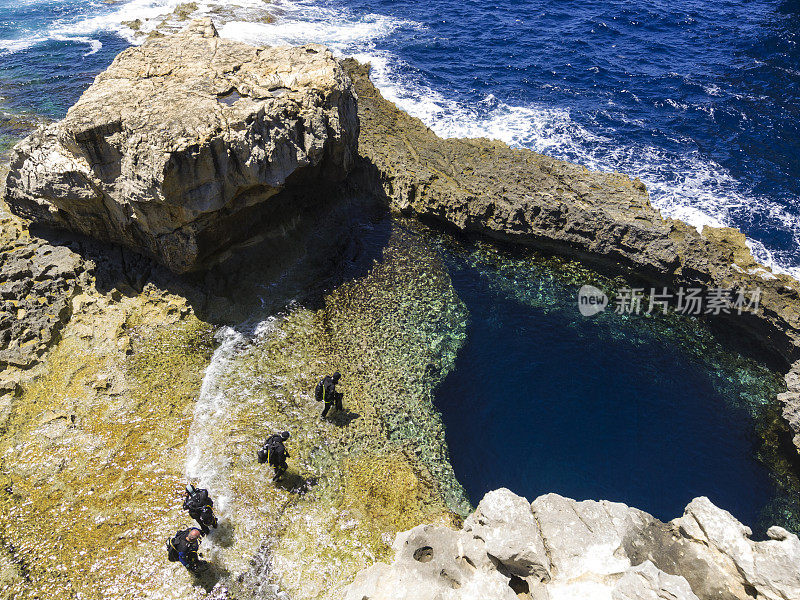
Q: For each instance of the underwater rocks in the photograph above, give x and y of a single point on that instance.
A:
(522, 197)
(185, 144)
(791, 402)
(559, 548)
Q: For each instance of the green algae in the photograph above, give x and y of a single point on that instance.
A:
(357, 479)
(91, 464)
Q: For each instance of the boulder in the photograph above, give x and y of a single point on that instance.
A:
(586, 537)
(506, 524)
(596, 551)
(185, 144)
(771, 567)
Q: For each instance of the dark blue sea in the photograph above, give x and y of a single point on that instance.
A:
(701, 100)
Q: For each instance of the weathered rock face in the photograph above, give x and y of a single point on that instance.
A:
(182, 145)
(592, 550)
(37, 283)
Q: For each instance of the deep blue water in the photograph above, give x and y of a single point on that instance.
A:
(699, 99)
(649, 411)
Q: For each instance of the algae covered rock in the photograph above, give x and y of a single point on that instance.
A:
(181, 146)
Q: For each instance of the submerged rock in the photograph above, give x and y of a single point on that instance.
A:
(593, 550)
(182, 145)
(514, 195)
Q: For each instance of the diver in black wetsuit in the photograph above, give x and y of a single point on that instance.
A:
(275, 453)
(326, 392)
(200, 507)
(184, 548)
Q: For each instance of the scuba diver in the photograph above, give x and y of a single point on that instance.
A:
(326, 392)
(183, 548)
(200, 507)
(275, 453)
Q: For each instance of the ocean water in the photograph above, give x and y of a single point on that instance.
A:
(699, 100)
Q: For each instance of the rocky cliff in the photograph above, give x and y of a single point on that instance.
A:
(189, 144)
(183, 145)
(558, 548)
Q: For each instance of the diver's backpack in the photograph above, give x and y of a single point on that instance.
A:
(198, 501)
(273, 451)
(318, 391)
(172, 552)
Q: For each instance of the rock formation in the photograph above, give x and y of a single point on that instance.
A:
(559, 548)
(37, 283)
(180, 147)
(519, 196)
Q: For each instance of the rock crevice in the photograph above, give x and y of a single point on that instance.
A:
(596, 551)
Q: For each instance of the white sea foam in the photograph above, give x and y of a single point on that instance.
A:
(18, 45)
(302, 22)
(205, 460)
(688, 186)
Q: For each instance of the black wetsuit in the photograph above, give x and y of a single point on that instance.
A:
(326, 392)
(200, 507)
(275, 453)
(187, 550)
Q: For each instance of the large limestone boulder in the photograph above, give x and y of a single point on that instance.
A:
(182, 146)
(771, 568)
(594, 551)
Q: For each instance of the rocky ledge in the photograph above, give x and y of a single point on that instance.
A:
(557, 548)
(182, 145)
(522, 197)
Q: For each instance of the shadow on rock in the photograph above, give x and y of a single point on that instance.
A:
(310, 242)
(210, 575)
(223, 534)
(294, 483)
(343, 418)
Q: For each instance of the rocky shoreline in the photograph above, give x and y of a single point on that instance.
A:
(99, 341)
(521, 197)
(558, 548)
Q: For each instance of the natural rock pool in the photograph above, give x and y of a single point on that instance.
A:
(649, 411)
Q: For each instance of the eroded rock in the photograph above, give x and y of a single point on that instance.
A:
(37, 283)
(597, 551)
(182, 146)
(506, 524)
